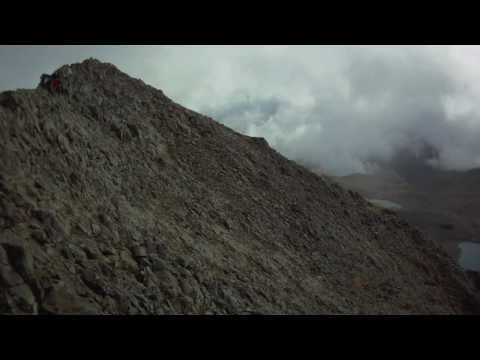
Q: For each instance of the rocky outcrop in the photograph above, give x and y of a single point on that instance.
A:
(114, 199)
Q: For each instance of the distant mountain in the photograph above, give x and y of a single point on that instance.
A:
(444, 204)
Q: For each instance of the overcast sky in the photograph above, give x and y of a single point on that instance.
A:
(332, 106)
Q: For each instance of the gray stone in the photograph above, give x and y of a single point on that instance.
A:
(39, 236)
(128, 262)
(24, 299)
(8, 276)
(62, 300)
(20, 258)
(94, 282)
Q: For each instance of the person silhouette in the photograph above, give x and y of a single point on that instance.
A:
(51, 83)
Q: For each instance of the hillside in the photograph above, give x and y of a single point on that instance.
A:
(443, 204)
(114, 199)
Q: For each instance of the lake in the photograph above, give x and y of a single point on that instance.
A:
(470, 255)
(385, 204)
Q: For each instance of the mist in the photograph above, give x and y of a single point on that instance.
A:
(334, 108)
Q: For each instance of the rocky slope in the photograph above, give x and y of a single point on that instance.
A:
(444, 205)
(114, 199)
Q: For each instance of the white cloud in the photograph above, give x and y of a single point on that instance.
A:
(333, 106)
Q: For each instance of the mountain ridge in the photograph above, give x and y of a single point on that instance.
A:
(117, 200)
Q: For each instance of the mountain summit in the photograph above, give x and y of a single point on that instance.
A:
(114, 199)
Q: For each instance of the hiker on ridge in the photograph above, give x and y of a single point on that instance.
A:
(50, 82)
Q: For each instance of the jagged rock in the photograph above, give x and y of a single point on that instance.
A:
(39, 236)
(16, 273)
(9, 277)
(20, 258)
(91, 251)
(24, 299)
(60, 299)
(93, 281)
(115, 199)
(133, 130)
(128, 262)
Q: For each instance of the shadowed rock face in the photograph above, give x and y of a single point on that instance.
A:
(114, 199)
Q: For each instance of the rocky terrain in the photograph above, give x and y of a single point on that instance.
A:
(444, 205)
(116, 200)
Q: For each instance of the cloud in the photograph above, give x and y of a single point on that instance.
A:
(332, 107)
(336, 108)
